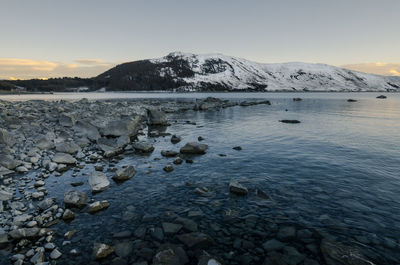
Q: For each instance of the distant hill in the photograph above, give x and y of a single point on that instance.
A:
(216, 72)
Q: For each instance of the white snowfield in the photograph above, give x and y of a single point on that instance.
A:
(237, 73)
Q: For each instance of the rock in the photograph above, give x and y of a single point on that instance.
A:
(207, 260)
(6, 138)
(68, 235)
(98, 206)
(274, 258)
(49, 246)
(262, 195)
(38, 257)
(175, 139)
(143, 147)
(381, 97)
(76, 199)
(297, 99)
(76, 184)
(5, 171)
(188, 224)
(237, 148)
(169, 153)
(21, 233)
(292, 256)
(194, 148)
(5, 194)
(236, 188)
(167, 257)
(55, 254)
(68, 215)
(178, 161)
(272, 245)
(37, 195)
(3, 238)
(86, 129)
(123, 249)
(168, 168)
(195, 239)
(101, 251)
(170, 228)
(45, 142)
(63, 158)
(67, 120)
(335, 253)
(158, 234)
(9, 162)
(124, 173)
(129, 127)
(69, 148)
(98, 181)
(290, 121)
(39, 183)
(156, 117)
(351, 100)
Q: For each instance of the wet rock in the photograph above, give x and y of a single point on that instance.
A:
(188, 224)
(286, 233)
(140, 232)
(24, 233)
(381, 97)
(194, 148)
(297, 99)
(236, 188)
(157, 233)
(168, 168)
(3, 238)
(68, 215)
(76, 199)
(351, 100)
(67, 147)
(195, 239)
(63, 158)
(272, 245)
(98, 182)
(38, 257)
(39, 183)
(101, 251)
(335, 253)
(170, 228)
(262, 195)
(237, 148)
(123, 249)
(290, 121)
(129, 127)
(200, 138)
(274, 258)
(175, 139)
(124, 173)
(76, 184)
(178, 161)
(55, 254)
(167, 257)
(143, 147)
(292, 256)
(156, 117)
(169, 153)
(98, 206)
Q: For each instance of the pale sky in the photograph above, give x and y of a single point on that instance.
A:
(51, 38)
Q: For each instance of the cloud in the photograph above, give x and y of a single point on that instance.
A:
(16, 68)
(376, 68)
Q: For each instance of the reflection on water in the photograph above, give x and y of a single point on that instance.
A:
(336, 173)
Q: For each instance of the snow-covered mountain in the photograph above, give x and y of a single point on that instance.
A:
(217, 72)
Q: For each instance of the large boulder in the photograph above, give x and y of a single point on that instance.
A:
(21, 233)
(129, 127)
(194, 148)
(156, 117)
(98, 181)
(64, 158)
(76, 199)
(9, 162)
(87, 129)
(236, 188)
(6, 138)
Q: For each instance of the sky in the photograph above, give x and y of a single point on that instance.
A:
(53, 38)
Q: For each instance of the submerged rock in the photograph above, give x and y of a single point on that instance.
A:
(335, 253)
(194, 148)
(98, 206)
(195, 239)
(236, 188)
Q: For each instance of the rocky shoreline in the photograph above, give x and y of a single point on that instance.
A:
(52, 138)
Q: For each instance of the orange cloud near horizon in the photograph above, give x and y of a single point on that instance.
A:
(376, 68)
(17, 68)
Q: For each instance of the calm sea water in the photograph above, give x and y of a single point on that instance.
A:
(337, 172)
